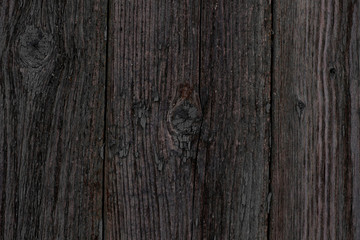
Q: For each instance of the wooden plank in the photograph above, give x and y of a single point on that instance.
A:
(162, 181)
(52, 86)
(315, 171)
(234, 149)
(352, 67)
(153, 119)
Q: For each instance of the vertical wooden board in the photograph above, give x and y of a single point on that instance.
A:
(153, 119)
(353, 69)
(315, 120)
(52, 85)
(234, 148)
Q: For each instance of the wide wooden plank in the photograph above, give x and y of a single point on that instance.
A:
(52, 95)
(315, 170)
(187, 156)
(234, 151)
(153, 119)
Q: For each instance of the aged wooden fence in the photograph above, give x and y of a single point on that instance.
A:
(180, 119)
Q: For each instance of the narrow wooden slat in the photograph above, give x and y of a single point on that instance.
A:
(315, 170)
(52, 85)
(234, 151)
(153, 119)
(352, 66)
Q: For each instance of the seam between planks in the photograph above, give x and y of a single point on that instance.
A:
(272, 57)
(202, 115)
(107, 36)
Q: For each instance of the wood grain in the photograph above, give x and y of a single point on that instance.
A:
(170, 119)
(234, 150)
(315, 170)
(153, 119)
(52, 95)
(187, 155)
(352, 67)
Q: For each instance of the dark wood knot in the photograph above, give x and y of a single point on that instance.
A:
(35, 47)
(185, 118)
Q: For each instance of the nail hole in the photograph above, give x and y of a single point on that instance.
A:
(300, 106)
(332, 72)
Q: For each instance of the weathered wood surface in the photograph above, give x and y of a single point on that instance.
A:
(234, 150)
(170, 119)
(188, 150)
(154, 119)
(315, 160)
(52, 95)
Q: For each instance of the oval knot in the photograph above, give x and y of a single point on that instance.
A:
(186, 118)
(35, 47)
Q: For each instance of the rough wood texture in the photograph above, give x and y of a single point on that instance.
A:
(51, 119)
(172, 119)
(315, 177)
(187, 158)
(153, 120)
(352, 66)
(234, 149)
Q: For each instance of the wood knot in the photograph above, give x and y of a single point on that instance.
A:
(34, 47)
(184, 121)
(185, 118)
